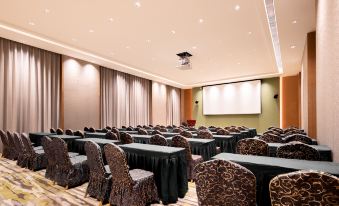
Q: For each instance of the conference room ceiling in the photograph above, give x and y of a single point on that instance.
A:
(229, 39)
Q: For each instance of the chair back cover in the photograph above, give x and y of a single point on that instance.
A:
(62, 159)
(126, 138)
(298, 150)
(158, 140)
(298, 137)
(94, 159)
(271, 138)
(59, 131)
(52, 130)
(186, 134)
(180, 141)
(205, 134)
(252, 146)
(111, 135)
(69, 132)
(222, 132)
(142, 132)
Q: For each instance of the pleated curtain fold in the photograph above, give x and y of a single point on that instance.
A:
(125, 99)
(173, 105)
(29, 87)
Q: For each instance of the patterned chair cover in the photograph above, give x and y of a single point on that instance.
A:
(241, 128)
(108, 127)
(211, 127)
(86, 129)
(163, 130)
(70, 172)
(100, 179)
(111, 135)
(298, 137)
(192, 129)
(177, 130)
(14, 154)
(272, 132)
(91, 129)
(139, 126)
(157, 128)
(49, 152)
(221, 182)
(222, 132)
(52, 130)
(192, 160)
(233, 129)
(37, 159)
(252, 146)
(290, 129)
(124, 127)
(186, 134)
(22, 161)
(158, 140)
(304, 188)
(79, 133)
(6, 151)
(169, 127)
(59, 131)
(156, 132)
(184, 124)
(126, 138)
(294, 132)
(116, 132)
(142, 132)
(135, 187)
(150, 125)
(298, 150)
(281, 131)
(129, 128)
(271, 138)
(69, 132)
(204, 134)
(202, 128)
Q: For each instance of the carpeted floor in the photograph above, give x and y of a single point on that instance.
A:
(19, 186)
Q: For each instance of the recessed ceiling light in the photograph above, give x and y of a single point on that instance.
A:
(237, 7)
(294, 22)
(173, 32)
(293, 47)
(201, 21)
(74, 39)
(111, 19)
(91, 31)
(148, 41)
(249, 33)
(137, 4)
(31, 23)
(194, 47)
(47, 11)
(238, 63)
(127, 47)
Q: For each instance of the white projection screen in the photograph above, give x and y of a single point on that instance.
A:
(232, 98)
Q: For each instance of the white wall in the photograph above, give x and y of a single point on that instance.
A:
(328, 75)
(81, 83)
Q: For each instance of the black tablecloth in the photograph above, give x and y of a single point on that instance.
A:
(68, 139)
(168, 165)
(324, 151)
(35, 137)
(265, 168)
(253, 132)
(204, 147)
(225, 142)
(95, 135)
(79, 144)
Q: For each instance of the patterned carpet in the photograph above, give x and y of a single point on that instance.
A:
(19, 186)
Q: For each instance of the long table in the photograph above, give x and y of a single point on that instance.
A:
(168, 165)
(324, 151)
(36, 137)
(79, 144)
(69, 139)
(265, 168)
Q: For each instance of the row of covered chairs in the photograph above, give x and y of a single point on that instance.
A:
(291, 150)
(221, 182)
(60, 131)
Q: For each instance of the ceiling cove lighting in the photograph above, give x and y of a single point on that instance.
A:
(201, 21)
(272, 23)
(84, 53)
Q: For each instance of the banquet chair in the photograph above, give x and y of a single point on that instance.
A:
(6, 150)
(177, 130)
(192, 160)
(252, 146)
(192, 129)
(79, 133)
(91, 129)
(86, 129)
(222, 132)
(48, 147)
(169, 127)
(157, 128)
(158, 140)
(142, 132)
(304, 188)
(298, 150)
(186, 134)
(204, 134)
(111, 135)
(271, 138)
(184, 124)
(124, 127)
(202, 128)
(126, 138)
(69, 132)
(163, 130)
(59, 131)
(130, 129)
(70, 171)
(150, 125)
(22, 160)
(13, 152)
(298, 137)
(272, 132)
(52, 130)
(294, 132)
(100, 178)
(36, 158)
(108, 127)
(156, 132)
(116, 132)
(129, 187)
(104, 130)
(241, 128)
(222, 182)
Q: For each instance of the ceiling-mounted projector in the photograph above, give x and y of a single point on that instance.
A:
(184, 61)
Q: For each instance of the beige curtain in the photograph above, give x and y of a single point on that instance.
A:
(125, 99)
(29, 88)
(172, 106)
